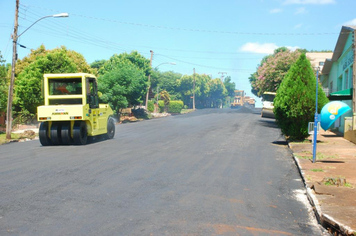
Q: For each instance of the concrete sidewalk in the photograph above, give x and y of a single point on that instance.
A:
(330, 181)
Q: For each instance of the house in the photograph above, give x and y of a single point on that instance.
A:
(337, 77)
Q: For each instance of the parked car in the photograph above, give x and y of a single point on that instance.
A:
(267, 104)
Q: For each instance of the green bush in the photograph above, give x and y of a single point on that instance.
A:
(294, 105)
(161, 106)
(173, 107)
(150, 106)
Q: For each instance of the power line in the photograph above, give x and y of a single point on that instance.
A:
(57, 29)
(193, 30)
(205, 66)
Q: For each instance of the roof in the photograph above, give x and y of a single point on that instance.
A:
(339, 47)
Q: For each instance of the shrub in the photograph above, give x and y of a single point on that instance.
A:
(161, 106)
(175, 106)
(294, 105)
(150, 106)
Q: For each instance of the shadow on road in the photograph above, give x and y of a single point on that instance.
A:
(282, 143)
(266, 122)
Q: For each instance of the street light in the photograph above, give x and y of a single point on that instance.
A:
(149, 76)
(54, 16)
(171, 63)
(14, 58)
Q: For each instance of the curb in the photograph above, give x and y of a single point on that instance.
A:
(324, 220)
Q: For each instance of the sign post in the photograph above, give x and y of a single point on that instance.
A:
(316, 117)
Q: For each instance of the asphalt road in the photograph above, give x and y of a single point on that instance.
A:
(211, 172)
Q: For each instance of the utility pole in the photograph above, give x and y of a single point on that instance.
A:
(149, 78)
(193, 88)
(11, 87)
(354, 84)
(222, 76)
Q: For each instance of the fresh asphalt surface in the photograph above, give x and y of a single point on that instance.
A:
(211, 172)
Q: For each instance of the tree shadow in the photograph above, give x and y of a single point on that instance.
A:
(281, 143)
(270, 123)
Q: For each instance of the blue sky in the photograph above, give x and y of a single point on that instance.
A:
(225, 37)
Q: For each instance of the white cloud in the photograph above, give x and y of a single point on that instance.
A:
(351, 22)
(292, 48)
(305, 2)
(276, 10)
(300, 10)
(265, 48)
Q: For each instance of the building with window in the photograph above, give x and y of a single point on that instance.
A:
(337, 74)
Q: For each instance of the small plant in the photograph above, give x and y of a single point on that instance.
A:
(334, 181)
(348, 185)
(317, 170)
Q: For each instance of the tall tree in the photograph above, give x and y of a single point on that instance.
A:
(218, 92)
(230, 86)
(272, 70)
(30, 72)
(166, 81)
(134, 57)
(123, 86)
(294, 105)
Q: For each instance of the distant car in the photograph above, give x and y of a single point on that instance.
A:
(267, 104)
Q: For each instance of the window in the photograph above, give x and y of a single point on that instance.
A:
(346, 82)
(65, 86)
(339, 84)
(331, 87)
(92, 93)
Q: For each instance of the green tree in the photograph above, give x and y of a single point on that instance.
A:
(123, 86)
(230, 86)
(29, 77)
(97, 64)
(294, 105)
(166, 81)
(253, 79)
(218, 92)
(185, 88)
(134, 57)
(4, 69)
(208, 92)
(230, 90)
(40, 52)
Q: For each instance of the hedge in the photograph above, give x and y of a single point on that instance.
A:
(173, 107)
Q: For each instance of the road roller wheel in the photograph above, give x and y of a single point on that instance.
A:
(80, 133)
(43, 134)
(56, 133)
(65, 133)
